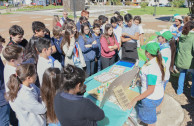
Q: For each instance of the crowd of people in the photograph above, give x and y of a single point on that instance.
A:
(42, 80)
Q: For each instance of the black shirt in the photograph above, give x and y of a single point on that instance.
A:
(74, 110)
(23, 43)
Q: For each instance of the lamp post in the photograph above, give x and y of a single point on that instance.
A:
(74, 11)
(154, 14)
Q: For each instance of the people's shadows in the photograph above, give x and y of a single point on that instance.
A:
(174, 81)
(190, 106)
(187, 91)
(165, 18)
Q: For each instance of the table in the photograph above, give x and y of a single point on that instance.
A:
(114, 115)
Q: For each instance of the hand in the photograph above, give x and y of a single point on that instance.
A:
(132, 104)
(88, 46)
(110, 47)
(72, 36)
(115, 46)
(124, 34)
(94, 42)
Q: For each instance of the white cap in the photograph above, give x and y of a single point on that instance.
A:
(178, 17)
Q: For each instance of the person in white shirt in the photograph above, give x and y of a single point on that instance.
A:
(137, 21)
(167, 49)
(64, 18)
(24, 97)
(13, 55)
(152, 91)
(45, 59)
(117, 30)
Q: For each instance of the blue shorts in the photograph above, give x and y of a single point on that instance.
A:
(146, 110)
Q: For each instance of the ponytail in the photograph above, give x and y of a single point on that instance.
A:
(22, 72)
(13, 86)
(173, 52)
(159, 61)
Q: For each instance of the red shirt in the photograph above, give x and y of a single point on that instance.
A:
(105, 51)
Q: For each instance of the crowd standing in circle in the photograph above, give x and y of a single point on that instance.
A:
(42, 81)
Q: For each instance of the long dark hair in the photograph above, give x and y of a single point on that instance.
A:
(160, 64)
(82, 30)
(106, 35)
(69, 24)
(50, 85)
(22, 72)
(66, 38)
(31, 51)
(188, 27)
(172, 44)
(71, 77)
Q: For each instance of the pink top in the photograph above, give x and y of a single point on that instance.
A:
(105, 51)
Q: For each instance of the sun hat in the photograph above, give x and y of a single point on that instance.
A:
(165, 33)
(179, 17)
(152, 47)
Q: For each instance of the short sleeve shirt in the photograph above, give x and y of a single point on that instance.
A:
(151, 74)
(131, 31)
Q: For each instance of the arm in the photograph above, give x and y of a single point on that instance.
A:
(93, 112)
(95, 44)
(32, 105)
(141, 40)
(148, 92)
(134, 37)
(82, 45)
(151, 81)
(104, 45)
(68, 51)
(123, 39)
(53, 49)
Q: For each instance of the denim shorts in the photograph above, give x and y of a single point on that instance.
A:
(146, 110)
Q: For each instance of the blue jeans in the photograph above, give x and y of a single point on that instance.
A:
(90, 67)
(182, 80)
(99, 64)
(4, 115)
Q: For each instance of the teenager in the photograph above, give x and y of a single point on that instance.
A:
(50, 85)
(73, 109)
(88, 45)
(130, 35)
(109, 45)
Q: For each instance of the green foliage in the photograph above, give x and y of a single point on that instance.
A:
(128, 3)
(177, 3)
(143, 5)
(39, 7)
(159, 11)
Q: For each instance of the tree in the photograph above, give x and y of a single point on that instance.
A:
(143, 5)
(177, 3)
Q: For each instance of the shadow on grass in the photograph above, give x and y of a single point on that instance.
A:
(165, 18)
(187, 91)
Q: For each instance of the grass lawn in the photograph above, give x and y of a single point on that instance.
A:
(159, 11)
(34, 8)
(2, 7)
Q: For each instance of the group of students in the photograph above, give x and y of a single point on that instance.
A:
(43, 79)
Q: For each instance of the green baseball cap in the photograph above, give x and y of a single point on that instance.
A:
(152, 47)
(165, 33)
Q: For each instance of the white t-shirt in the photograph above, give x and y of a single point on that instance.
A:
(8, 71)
(151, 74)
(166, 55)
(141, 31)
(118, 33)
(44, 64)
